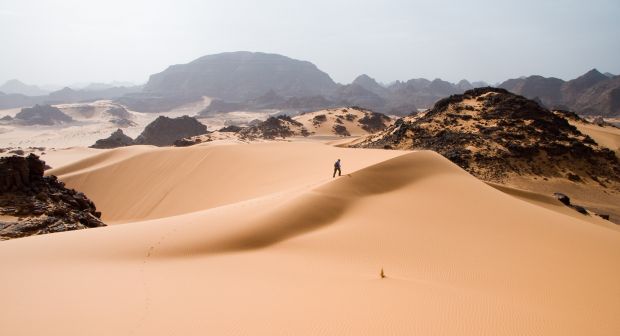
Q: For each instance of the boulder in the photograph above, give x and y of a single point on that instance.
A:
(116, 139)
(165, 131)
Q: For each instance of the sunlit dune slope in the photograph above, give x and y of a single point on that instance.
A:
(143, 182)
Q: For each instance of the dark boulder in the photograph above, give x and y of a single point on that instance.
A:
(165, 131)
(116, 139)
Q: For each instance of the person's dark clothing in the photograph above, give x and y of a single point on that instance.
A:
(337, 168)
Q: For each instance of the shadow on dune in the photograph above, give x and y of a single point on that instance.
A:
(317, 208)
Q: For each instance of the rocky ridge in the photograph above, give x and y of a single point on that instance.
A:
(493, 133)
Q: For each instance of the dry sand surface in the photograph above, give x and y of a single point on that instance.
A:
(259, 240)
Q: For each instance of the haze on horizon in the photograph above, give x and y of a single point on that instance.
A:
(69, 41)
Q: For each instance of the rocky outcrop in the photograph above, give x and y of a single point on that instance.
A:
(165, 131)
(116, 139)
(41, 115)
(32, 204)
(493, 133)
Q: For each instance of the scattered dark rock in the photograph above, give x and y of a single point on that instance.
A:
(373, 122)
(319, 119)
(40, 203)
(580, 209)
(603, 216)
(341, 130)
(17, 152)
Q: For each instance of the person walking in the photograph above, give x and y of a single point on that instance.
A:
(337, 168)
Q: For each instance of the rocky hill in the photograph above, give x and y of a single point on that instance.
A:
(349, 121)
(32, 204)
(165, 131)
(41, 115)
(493, 133)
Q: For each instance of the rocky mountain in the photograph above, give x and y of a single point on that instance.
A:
(239, 76)
(572, 89)
(548, 90)
(493, 133)
(41, 115)
(14, 86)
(593, 93)
(370, 84)
(164, 131)
(115, 140)
(600, 99)
(32, 204)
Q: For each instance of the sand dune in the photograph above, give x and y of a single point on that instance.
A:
(271, 245)
(161, 182)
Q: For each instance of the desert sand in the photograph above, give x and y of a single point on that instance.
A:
(259, 239)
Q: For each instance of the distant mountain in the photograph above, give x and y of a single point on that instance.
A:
(610, 75)
(600, 99)
(104, 86)
(68, 95)
(239, 76)
(14, 86)
(593, 93)
(65, 95)
(370, 84)
(464, 85)
(548, 90)
(572, 89)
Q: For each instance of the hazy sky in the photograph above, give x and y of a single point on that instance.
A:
(68, 41)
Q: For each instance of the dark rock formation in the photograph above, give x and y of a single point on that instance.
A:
(116, 139)
(165, 131)
(39, 204)
(492, 133)
(41, 115)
